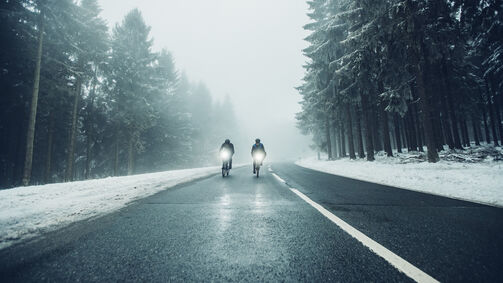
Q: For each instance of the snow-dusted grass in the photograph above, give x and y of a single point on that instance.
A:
(474, 175)
(26, 212)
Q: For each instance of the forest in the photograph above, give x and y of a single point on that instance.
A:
(403, 75)
(80, 100)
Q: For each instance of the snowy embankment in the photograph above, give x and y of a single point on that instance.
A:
(469, 175)
(26, 212)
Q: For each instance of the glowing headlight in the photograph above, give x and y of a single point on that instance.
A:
(224, 154)
(259, 156)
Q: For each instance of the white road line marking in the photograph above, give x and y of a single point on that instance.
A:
(279, 178)
(399, 263)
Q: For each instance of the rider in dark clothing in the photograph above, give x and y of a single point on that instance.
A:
(257, 147)
(230, 147)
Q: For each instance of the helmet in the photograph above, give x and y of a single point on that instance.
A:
(257, 140)
(227, 141)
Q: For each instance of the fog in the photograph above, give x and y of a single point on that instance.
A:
(249, 50)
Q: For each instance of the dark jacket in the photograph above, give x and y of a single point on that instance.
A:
(259, 147)
(228, 146)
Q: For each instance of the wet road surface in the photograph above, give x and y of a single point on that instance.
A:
(246, 229)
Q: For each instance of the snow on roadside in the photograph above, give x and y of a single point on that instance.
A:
(26, 212)
(480, 182)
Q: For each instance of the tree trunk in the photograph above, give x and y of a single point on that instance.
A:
(484, 120)
(130, 167)
(342, 138)
(411, 127)
(447, 122)
(48, 160)
(479, 127)
(416, 122)
(499, 102)
(431, 73)
(398, 141)
(437, 125)
(329, 141)
(497, 111)
(30, 136)
(19, 152)
(464, 130)
(403, 132)
(419, 132)
(71, 146)
(386, 132)
(454, 120)
(333, 141)
(442, 136)
(88, 152)
(426, 114)
(416, 139)
(417, 57)
(336, 149)
(369, 145)
(408, 135)
(475, 130)
(492, 116)
(352, 154)
(384, 121)
(376, 139)
(361, 152)
(486, 128)
(90, 123)
(116, 155)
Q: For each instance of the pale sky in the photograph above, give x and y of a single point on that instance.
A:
(249, 49)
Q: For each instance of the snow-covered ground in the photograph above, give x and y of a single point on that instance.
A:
(26, 212)
(475, 175)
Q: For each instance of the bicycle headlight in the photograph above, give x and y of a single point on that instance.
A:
(259, 156)
(224, 154)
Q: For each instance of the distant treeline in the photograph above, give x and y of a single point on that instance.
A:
(403, 74)
(79, 101)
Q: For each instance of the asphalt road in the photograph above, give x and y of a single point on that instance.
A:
(246, 229)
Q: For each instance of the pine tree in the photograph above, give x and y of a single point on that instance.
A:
(131, 75)
(34, 100)
(426, 64)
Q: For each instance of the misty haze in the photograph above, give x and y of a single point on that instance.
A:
(251, 140)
